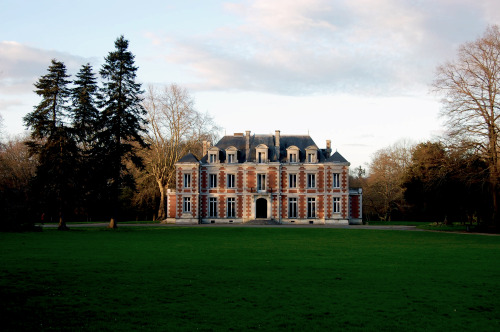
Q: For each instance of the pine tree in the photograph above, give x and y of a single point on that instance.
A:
(122, 117)
(49, 114)
(85, 114)
(52, 141)
(85, 126)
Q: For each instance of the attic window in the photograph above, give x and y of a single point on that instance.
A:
(312, 154)
(231, 153)
(261, 153)
(292, 154)
(213, 155)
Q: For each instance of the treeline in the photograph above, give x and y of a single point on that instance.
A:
(429, 181)
(98, 150)
(458, 178)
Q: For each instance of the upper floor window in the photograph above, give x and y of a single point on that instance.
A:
(212, 158)
(311, 180)
(231, 158)
(231, 181)
(187, 180)
(212, 180)
(292, 180)
(336, 180)
(261, 182)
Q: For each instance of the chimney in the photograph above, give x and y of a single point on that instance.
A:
(247, 136)
(277, 137)
(328, 148)
(205, 148)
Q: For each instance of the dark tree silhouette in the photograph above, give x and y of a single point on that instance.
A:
(122, 120)
(52, 141)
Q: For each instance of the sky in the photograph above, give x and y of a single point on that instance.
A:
(356, 72)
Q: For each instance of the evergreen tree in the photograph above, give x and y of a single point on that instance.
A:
(85, 114)
(85, 126)
(49, 114)
(53, 143)
(122, 117)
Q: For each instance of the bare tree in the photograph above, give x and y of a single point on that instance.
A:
(383, 192)
(175, 128)
(470, 86)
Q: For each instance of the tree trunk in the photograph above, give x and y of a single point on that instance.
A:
(62, 223)
(161, 208)
(112, 223)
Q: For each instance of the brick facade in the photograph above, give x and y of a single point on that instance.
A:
(262, 186)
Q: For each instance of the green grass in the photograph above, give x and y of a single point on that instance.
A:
(398, 223)
(201, 278)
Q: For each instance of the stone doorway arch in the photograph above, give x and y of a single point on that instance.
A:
(261, 208)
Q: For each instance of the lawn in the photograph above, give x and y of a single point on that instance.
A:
(235, 278)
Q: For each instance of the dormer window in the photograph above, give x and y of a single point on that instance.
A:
(312, 154)
(292, 154)
(213, 155)
(231, 153)
(261, 153)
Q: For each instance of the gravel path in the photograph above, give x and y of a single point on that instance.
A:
(389, 227)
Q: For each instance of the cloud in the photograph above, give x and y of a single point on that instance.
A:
(5, 104)
(315, 46)
(22, 65)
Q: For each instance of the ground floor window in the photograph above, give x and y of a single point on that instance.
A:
(336, 205)
(292, 207)
(187, 204)
(231, 207)
(212, 207)
(311, 207)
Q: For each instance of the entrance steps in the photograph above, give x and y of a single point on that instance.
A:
(261, 222)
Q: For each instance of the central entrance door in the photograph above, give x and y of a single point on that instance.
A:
(261, 208)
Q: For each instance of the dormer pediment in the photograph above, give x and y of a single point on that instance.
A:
(262, 146)
(231, 149)
(292, 148)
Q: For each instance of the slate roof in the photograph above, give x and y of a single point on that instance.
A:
(189, 158)
(336, 158)
(286, 141)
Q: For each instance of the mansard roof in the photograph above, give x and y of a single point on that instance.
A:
(189, 158)
(302, 142)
